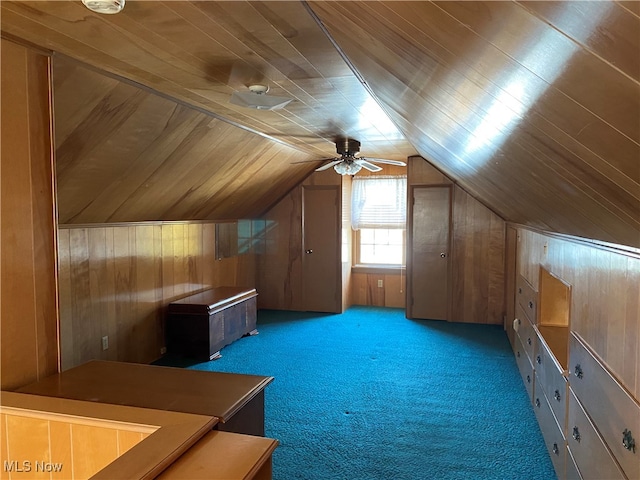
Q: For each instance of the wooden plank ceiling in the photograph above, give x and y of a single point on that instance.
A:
(532, 107)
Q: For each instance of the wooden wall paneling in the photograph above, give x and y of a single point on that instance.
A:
(631, 345)
(28, 279)
(618, 347)
(5, 455)
(359, 289)
(176, 259)
(74, 450)
(43, 210)
(394, 291)
(168, 269)
(375, 294)
(65, 298)
(420, 171)
(147, 308)
(195, 253)
(25, 437)
(60, 445)
(158, 296)
(605, 295)
(365, 290)
(111, 297)
(117, 281)
(82, 326)
(209, 261)
(281, 265)
(99, 282)
(510, 277)
(125, 289)
(93, 448)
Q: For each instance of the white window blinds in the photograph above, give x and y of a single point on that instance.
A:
(379, 201)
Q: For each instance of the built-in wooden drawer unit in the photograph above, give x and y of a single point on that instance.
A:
(528, 298)
(615, 413)
(552, 380)
(525, 367)
(592, 457)
(553, 436)
(526, 332)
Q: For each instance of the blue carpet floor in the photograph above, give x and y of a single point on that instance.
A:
(371, 395)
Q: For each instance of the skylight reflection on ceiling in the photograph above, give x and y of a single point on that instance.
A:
(547, 59)
(375, 122)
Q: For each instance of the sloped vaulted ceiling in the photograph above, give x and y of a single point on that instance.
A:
(532, 107)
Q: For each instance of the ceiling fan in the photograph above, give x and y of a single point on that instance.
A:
(348, 163)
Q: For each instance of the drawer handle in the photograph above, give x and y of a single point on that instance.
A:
(537, 402)
(529, 340)
(530, 304)
(555, 449)
(628, 441)
(578, 371)
(538, 359)
(576, 434)
(520, 290)
(518, 354)
(556, 395)
(528, 379)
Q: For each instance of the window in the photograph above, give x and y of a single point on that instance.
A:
(378, 216)
(381, 246)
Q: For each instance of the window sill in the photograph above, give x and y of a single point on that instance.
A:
(379, 269)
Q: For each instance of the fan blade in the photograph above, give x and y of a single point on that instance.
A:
(328, 165)
(369, 166)
(384, 160)
(312, 161)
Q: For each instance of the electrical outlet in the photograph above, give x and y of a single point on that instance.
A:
(163, 350)
(380, 283)
(105, 342)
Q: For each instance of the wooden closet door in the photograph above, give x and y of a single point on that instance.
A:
(428, 271)
(321, 249)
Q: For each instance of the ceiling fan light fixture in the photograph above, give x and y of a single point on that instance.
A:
(104, 6)
(347, 168)
(258, 99)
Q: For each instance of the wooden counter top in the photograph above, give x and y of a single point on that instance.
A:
(164, 388)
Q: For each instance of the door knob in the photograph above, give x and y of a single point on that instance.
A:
(443, 255)
(308, 251)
